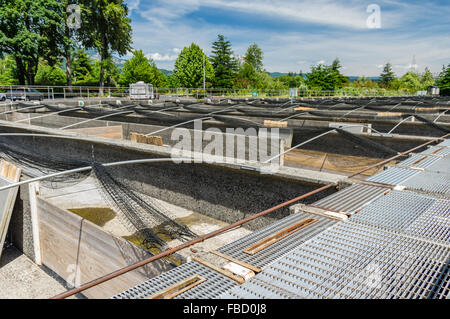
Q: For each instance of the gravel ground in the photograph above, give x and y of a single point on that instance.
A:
(20, 278)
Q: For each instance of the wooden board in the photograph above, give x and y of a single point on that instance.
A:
(141, 138)
(269, 123)
(9, 174)
(80, 251)
(390, 114)
(332, 162)
(270, 240)
(115, 132)
(304, 108)
(177, 289)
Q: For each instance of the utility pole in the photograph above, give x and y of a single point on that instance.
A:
(204, 75)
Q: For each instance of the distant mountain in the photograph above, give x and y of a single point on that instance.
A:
(277, 74)
(166, 72)
(355, 78)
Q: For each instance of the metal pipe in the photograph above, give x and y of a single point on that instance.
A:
(219, 231)
(187, 122)
(54, 113)
(23, 108)
(87, 168)
(100, 117)
(185, 245)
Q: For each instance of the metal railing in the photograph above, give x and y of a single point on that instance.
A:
(92, 92)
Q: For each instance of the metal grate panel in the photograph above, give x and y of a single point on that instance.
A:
(445, 143)
(397, 210)
(271, 253)
(442, 166)
(438, 150)
(419, 160)
(434, 223)
(430, 182)
(354, 260)
(351, 198)
(214, 285)
(393, 176)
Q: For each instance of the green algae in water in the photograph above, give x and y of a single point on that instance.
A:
(97, 215)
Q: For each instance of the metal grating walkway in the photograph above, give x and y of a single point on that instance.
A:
(214, 285)
(351, 198)
(271, 253)
(393, 176)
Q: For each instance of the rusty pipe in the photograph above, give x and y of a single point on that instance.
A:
(168, 252)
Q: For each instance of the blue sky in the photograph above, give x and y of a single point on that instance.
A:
(295, 34)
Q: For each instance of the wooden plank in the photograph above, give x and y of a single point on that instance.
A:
(141, 138)
(177, 289)
(33, 191)
(115, 132)
(219, 270)
(390, 114)
(280, 124)
(304, 108)
(80, 251)
(268, 241)
(321, 212)
(9, 174)
(237, 261)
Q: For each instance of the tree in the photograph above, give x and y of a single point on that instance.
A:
(387, 76)
(254, 57)
(336, 78)
(427, 79)
(444, 81)
(139, 68)
(83, 68)
(318, 78)
(29, 30)
(8, 71)
(105, 26)
(189, 67)
(50, 75)
(411, 81)
(223, 62)
(246, 77)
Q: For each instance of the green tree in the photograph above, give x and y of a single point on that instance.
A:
(105, 26)
(335, 76)
(387, 76)
(223, 62)
(28, 31)
(427, 79)
(139, 68)
(83, 68)
(8, 71)
(110, 71)
(254, 57)
(189, 67)
(246, 78)
(411, 81)
(172, 81)
(50, 75)
(444, 81)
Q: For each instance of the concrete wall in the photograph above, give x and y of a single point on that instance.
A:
(225, 193)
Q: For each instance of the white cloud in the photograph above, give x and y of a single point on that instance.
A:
(159, 57)
(360, 50)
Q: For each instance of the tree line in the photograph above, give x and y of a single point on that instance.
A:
(39, 46)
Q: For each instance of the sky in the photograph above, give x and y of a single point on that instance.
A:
(296, 34)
